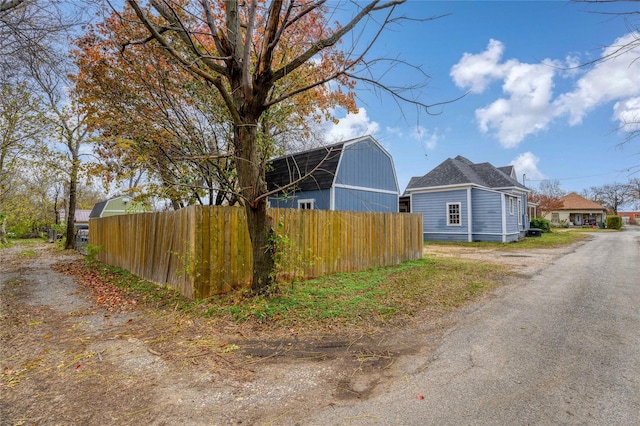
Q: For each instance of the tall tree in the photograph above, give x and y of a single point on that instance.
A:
(28, 28)
(156, 116)
(152, 116)
(612, 195)
(68, 126)
(547, 196)
(257, 56)
(21, 130)
(634, 192)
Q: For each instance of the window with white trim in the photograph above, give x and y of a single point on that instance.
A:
(511, 205)
(306, 204)
(453, 214)
(519, 211)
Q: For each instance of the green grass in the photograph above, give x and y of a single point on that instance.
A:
(547, 240)
(20, 242)
(369, 298)
(28, 253)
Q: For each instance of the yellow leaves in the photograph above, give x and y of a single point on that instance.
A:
(9, 377)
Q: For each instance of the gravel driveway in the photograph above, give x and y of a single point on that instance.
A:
(560, 347)
(64, 360)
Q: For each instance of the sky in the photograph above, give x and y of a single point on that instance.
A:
(526, 97)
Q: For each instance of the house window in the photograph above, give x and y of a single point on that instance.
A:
(306, 204)
(453, 214)
(511, 205)
(519, 211)
(555, 217)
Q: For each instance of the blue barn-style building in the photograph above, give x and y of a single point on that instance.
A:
(464, 201)
(355, 175)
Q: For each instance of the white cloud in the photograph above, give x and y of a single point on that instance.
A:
(476, 72)
(429, 140)
(528, 105)
(526, 109)
(627, 112)
(352, 126)
(527, 163)
(615, 78)
(528, 88)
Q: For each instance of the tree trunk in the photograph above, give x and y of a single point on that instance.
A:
(70, 242)
(260, 231)
(252, 184)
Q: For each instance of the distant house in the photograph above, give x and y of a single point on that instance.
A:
(80, 218)
(577, 211)
(115, 206)
(464, 201)
(356, 175)
(630, 218)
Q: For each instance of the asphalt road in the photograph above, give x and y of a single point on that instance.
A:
(561, 348)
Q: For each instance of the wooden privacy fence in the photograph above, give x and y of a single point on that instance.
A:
(203, 251)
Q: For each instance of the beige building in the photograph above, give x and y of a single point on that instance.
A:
(577, 211)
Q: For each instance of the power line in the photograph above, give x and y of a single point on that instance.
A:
(629, 169)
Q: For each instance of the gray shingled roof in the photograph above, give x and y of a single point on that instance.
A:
(459, 171)
(97, 209)
(288, 169)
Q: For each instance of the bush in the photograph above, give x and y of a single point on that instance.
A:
(541, 223)
(614, 222)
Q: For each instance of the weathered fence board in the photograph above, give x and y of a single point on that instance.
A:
(203, 251)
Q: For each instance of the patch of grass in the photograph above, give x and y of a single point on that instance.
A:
(28, 242)
(370, 297)
(547, 240)
(591, 230)
(28, 253)
(139, 288)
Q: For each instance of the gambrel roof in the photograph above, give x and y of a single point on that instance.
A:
(97, 209)
(320, 164)
(461, 171)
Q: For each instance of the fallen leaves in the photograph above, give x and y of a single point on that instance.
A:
(10, 378)
(104, 293)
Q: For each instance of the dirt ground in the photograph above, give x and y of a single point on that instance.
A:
(65, 360)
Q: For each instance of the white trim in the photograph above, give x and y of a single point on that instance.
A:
(513, 188)
(453, 188)
(496, 233)
(464, 233)
(461, 186)
(520, 219)
(469, 216)
(364, 188)
(307, 200)
(444, 188)
(332, 198)
(503, 213)
(448, 214)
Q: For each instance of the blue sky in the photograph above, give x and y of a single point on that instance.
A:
(527, 104)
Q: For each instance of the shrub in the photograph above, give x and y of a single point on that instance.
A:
(614, 222)
(541, 223)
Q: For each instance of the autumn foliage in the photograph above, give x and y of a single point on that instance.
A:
(245, 72)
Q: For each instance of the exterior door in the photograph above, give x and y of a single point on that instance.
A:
(578, 218)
